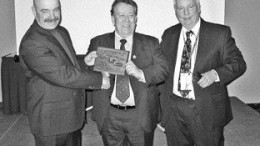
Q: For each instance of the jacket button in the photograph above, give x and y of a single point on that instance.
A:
(74, 93)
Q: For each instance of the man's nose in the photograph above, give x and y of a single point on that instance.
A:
(186, 11)
(127, 18)
(52, 15)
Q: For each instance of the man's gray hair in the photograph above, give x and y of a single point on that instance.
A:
(197, 1)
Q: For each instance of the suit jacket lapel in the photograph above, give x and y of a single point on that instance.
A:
(70, 48)
(137, 47)
(108, 41)
(203, 50)
(54, 43)
(171, 54)
(174, 49)
(202, 47)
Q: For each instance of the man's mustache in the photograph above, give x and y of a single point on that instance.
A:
(51, 20)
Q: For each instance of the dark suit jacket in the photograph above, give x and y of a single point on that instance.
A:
(150, 60)
(216, 50)
(55, 90)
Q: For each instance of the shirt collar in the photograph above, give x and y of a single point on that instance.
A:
(195, 29)
(118, 37)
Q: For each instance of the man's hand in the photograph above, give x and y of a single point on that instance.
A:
(208, 78)
(105, 80)
(90, 58)
(131, 69)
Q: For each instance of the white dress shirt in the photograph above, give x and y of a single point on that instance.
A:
(128, 47)
(194, 47)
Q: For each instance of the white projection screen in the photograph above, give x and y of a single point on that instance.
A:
(86, 19)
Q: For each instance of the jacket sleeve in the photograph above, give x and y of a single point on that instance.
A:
(233, 64)
(51, 67)
(159, 70)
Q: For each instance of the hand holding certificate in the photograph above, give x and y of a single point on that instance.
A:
(110, 60)
(90, 58)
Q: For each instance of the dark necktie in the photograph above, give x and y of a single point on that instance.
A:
(185, 61)
(122, 81)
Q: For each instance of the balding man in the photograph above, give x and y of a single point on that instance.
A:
(56, 83)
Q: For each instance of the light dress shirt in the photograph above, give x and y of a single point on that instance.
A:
(194, 47)
(128, 47)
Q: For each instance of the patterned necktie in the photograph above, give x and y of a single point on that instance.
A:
(185, 61)
(122, 82)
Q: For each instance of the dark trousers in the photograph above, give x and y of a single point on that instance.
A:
(68, 139)
(122, 129)
(185, 128)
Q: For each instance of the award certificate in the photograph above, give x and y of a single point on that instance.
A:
(111, 60)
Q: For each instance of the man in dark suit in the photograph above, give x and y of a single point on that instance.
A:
(56, 83)
(203, 59)
(134, 119)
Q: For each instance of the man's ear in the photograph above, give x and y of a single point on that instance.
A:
(113, 20)
(34, 11)
(199, 8)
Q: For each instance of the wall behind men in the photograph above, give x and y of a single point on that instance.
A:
(7, 31)
(86, 19)
(243, 16)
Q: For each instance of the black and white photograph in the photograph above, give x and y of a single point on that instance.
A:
(129, 73)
